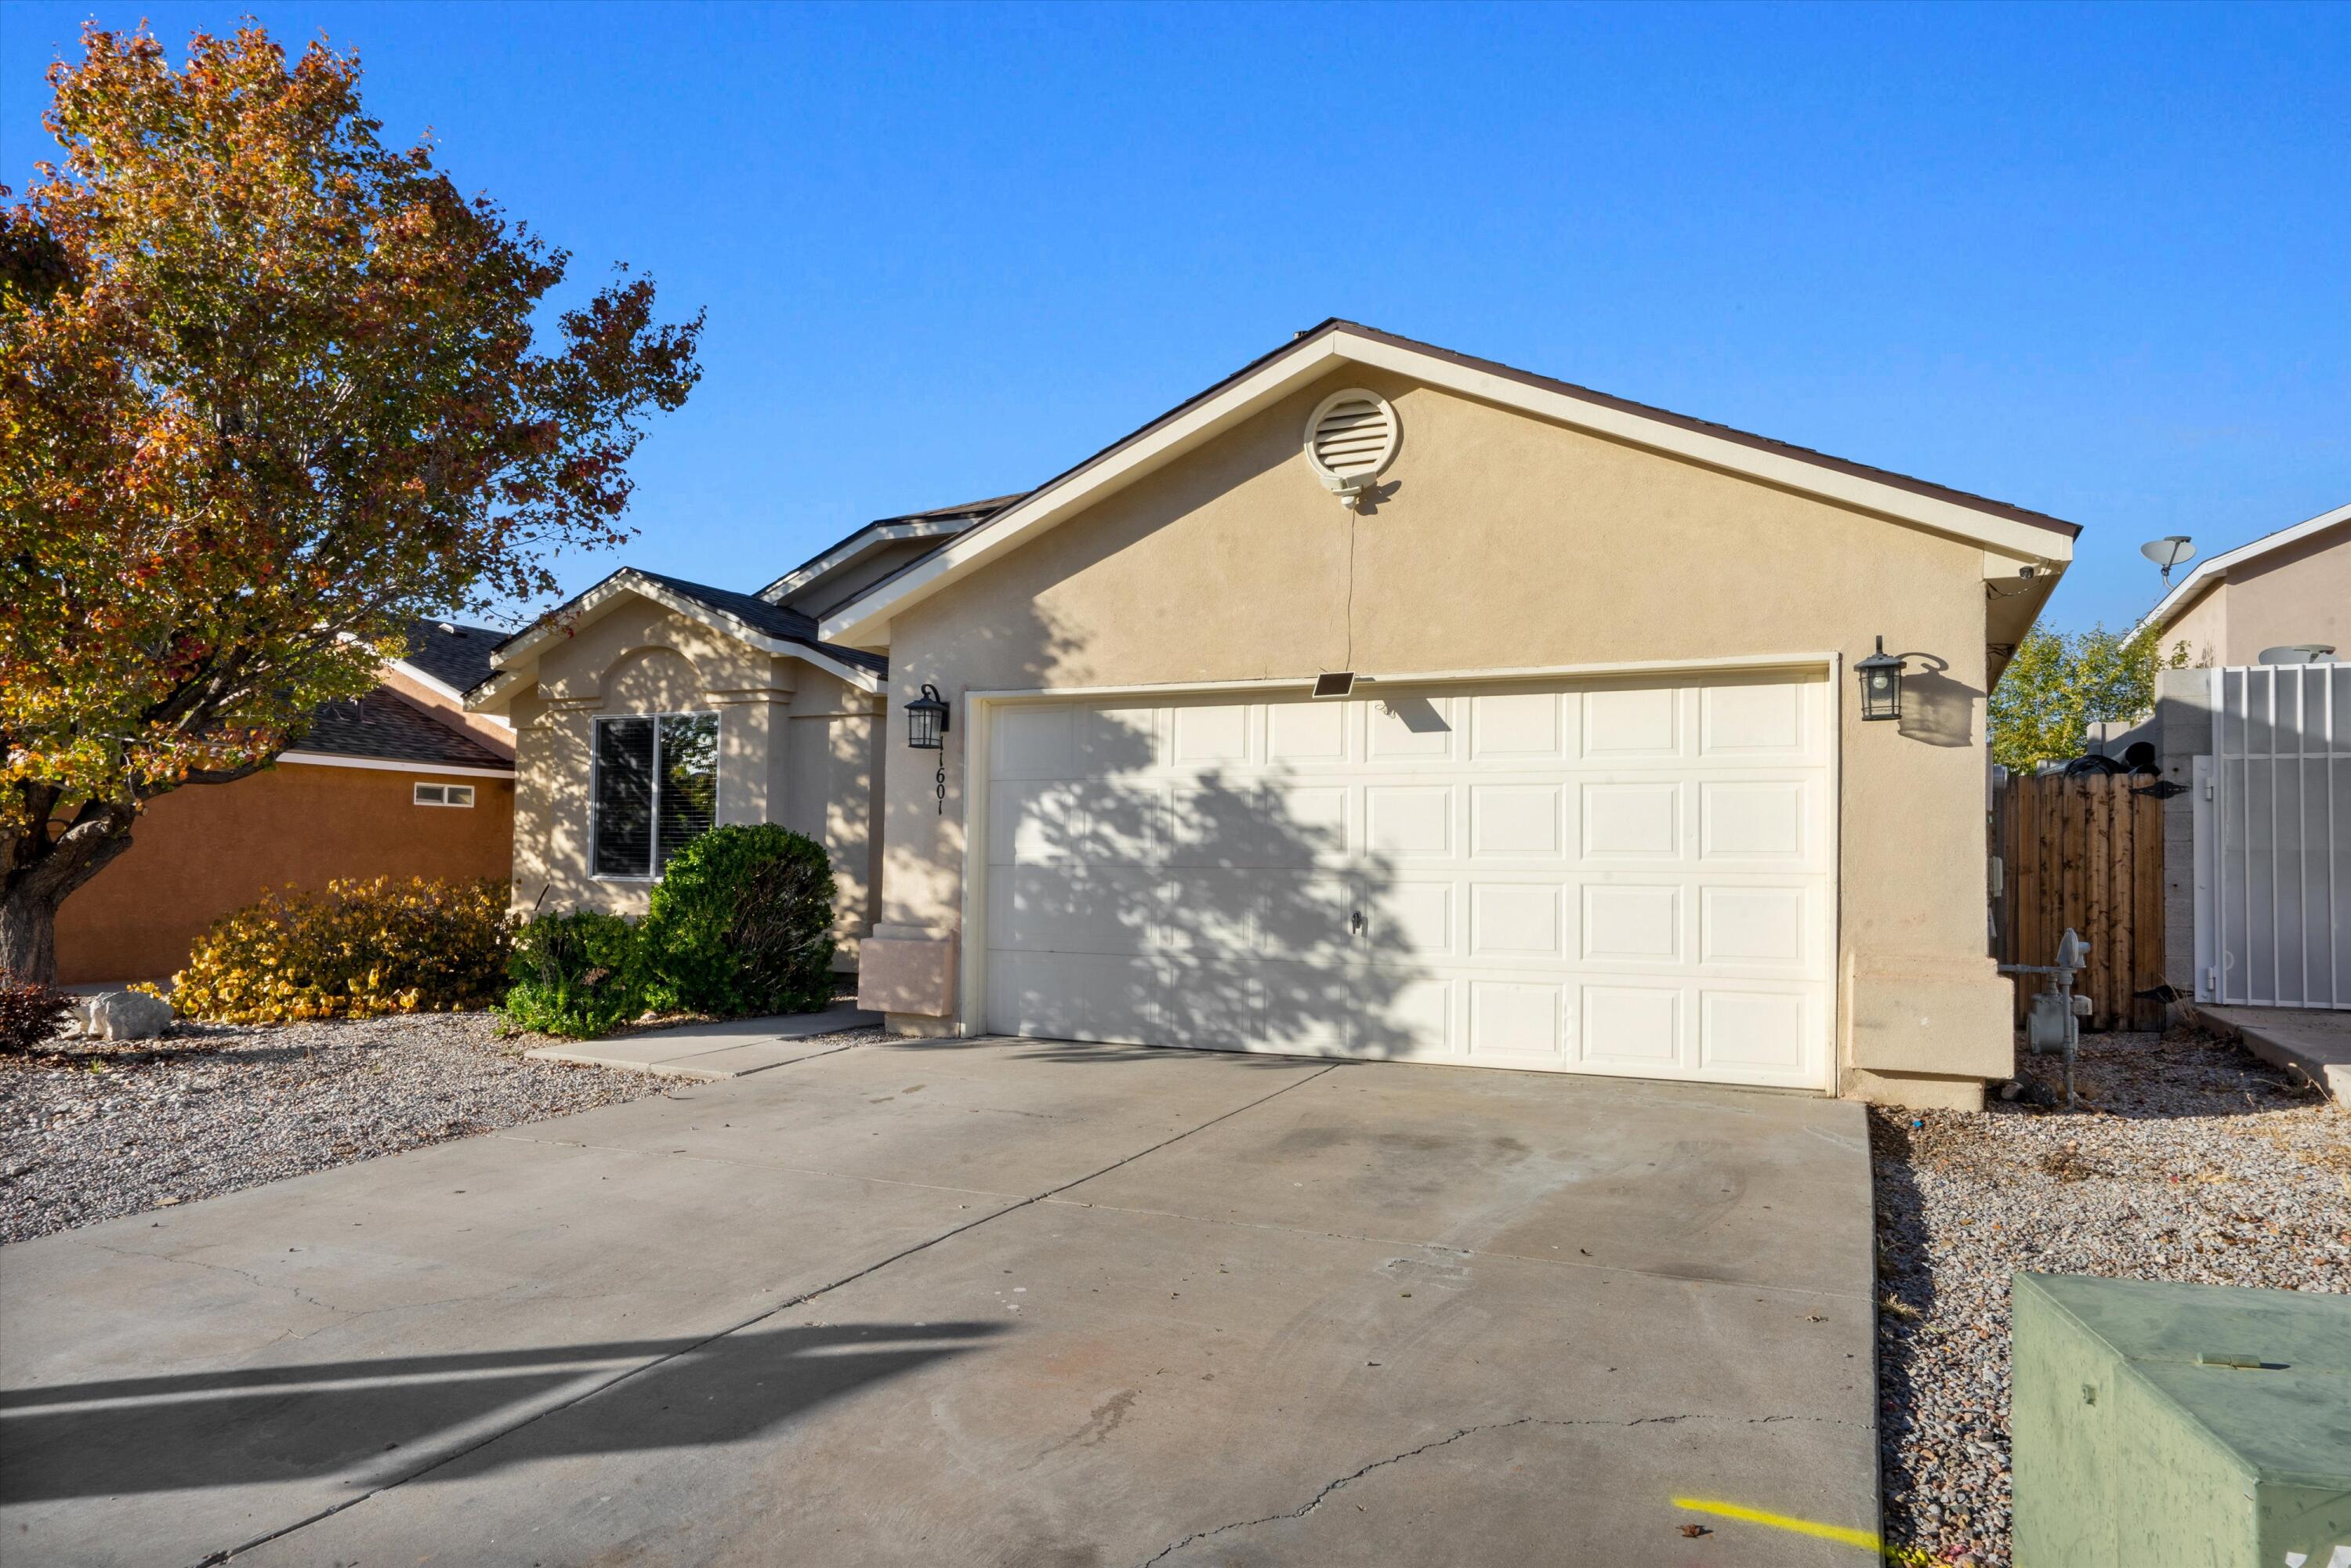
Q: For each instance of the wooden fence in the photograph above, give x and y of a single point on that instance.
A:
(2088, 853)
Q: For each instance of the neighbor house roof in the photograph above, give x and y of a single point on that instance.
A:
(2212, 572)
(938, 523)
(445, 655)
(385, 726)
(746, 617)
(1996, 524)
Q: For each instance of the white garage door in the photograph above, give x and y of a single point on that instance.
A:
(1601, 877)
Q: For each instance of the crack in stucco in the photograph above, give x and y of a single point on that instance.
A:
(1311, 1504)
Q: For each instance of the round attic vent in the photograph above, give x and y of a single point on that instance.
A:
(1351, 440)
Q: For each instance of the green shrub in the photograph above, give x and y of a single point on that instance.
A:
(30, 1012)
(358, 949)
(577, 975)
(740, 923)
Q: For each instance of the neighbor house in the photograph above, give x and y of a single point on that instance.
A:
(1378, 701)
(2288, 589)
(401, 782)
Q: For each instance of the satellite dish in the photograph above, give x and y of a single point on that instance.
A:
(2168, 553)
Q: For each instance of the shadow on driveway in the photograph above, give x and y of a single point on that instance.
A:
(380, 1418)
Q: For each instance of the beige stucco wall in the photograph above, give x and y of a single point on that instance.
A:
(1501, 542)
(796, 746)
(2298, 595)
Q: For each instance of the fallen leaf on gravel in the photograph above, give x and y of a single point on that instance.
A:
(1694, 1531)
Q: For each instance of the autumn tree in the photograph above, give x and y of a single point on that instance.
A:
(269, 391)
(2060, 682)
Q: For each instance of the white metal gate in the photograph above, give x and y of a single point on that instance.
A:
(2273, 839)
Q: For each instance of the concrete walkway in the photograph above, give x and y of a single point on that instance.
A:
(2312, 1042)
(992, 1303)
(707, 1051)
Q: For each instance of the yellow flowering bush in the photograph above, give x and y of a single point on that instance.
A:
(357, 950)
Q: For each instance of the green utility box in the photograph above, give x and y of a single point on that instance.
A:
(2161, 1424)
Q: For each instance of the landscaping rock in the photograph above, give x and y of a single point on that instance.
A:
(92, 1131)
(120, 1015)
(2187, 1159)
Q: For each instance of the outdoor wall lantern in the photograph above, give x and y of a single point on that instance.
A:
(927, 720)
(1881, 685)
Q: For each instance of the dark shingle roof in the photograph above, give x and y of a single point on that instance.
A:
(454, 656)
(789, 625)
(387, 726)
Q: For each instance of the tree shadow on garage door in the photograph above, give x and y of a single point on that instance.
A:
(1229, 904)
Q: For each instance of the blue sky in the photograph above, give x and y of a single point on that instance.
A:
(2088, 260)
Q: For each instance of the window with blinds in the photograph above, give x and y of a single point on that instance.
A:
(656, 788)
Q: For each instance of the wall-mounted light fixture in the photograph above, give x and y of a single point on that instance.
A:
(927, 720)
(1880, 683)
(927, 728)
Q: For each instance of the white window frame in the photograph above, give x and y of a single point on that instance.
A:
(596, 790)
(447, 797)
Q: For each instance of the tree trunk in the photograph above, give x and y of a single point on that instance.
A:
(28, 937)
(30, 895)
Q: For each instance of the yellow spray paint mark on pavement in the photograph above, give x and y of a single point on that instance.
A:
(1842, 1534)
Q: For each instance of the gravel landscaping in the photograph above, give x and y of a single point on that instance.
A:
(2189, 1160)
(92, 1131)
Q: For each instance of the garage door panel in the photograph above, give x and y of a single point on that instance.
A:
(1621, 878)
(1306, 917)
(1514, 921)
(1754, 1034)
(1075, 996)
(1116, 822)
(1516, 727)
(1634, 922)
(1072, 909)
(1307, 1008)
(1210, 915)
(1759, 926)
(1759, 721)
(1308, 735)
(1627, 723)
(1030, 821)
(1515, 821)
(1401, 1016)
(1410, 921)
(1625, 821)
(1410, 726)
(1758, 821)
(1033, 741)
(1226, 1016)
(1518, 1017)
(1112, 742)
(1632, 1028)
(1408, 820)
(1209, 734)
(1274, 823)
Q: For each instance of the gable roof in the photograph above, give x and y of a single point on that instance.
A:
(2210, 573)
(1996, 524)
(936, 523)
(386, 727)
(746, 617)
(445, 655)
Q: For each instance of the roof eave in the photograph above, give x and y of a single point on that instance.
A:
(515, 658)
(2209, 574)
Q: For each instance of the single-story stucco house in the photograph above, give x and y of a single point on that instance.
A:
(401, 782)
(1377, 701)
(2287, 589)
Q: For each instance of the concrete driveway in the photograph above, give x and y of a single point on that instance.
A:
(996, 1303)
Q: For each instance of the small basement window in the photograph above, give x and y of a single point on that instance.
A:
(656, 790)
(445, 794)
